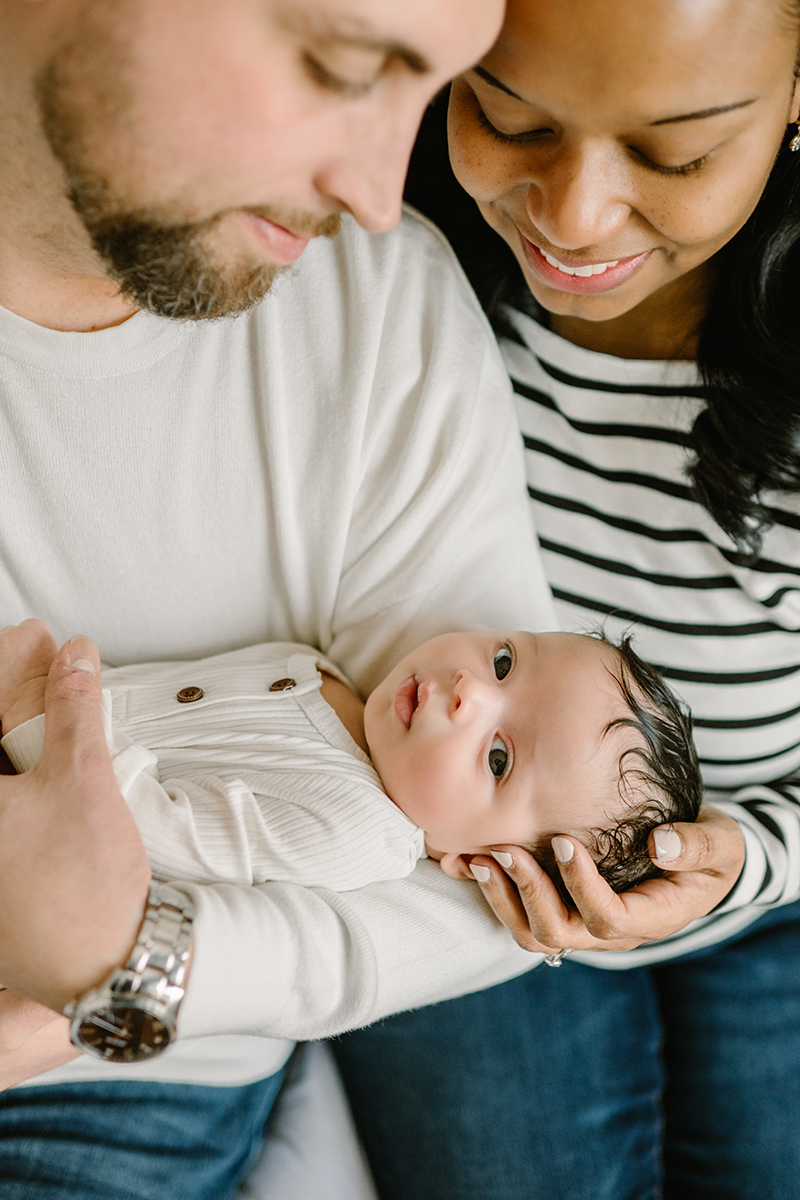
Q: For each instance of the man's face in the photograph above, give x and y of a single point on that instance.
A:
(205, 143)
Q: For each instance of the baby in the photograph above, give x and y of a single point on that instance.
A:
(263, 764)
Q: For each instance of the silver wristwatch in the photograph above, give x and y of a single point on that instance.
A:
(131, 1016)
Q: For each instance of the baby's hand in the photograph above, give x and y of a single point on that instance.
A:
(26, 652)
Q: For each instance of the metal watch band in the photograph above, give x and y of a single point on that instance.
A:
(157, 965)
(156, 968)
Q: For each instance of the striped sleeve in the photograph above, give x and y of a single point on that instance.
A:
(628, 549)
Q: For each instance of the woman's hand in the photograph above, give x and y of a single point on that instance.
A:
(33, 1039)
(710, 859)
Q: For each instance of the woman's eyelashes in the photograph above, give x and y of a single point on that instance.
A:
(528, 135)
(683, 169)
(531, 135)
(504, 661)
(499, 757)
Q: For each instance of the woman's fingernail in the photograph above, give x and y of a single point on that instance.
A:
(668, 844)
(78, 656)
(482, 874)
(503, 857)
(563, 849)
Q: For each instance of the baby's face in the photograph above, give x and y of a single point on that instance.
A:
(488, 740)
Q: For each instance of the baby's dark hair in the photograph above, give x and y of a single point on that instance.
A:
(659, 776)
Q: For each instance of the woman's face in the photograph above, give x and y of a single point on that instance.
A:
(617, 146)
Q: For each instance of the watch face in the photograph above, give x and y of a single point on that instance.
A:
(123, 1034)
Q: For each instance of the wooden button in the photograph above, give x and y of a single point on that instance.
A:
(188, 694)
(282, 685)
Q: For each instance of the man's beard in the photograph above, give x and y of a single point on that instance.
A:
(165, 267)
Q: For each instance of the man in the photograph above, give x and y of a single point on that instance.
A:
(337, 466)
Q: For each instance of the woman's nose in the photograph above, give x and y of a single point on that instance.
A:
(576, 198)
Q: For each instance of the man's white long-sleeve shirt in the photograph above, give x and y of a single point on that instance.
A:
(340, 467)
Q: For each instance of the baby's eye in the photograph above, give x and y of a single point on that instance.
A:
(503, 662)
(498, 758)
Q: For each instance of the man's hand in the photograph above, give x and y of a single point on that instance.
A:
(26, 655)
(32, 1039)
(74, 876)
(708, 859)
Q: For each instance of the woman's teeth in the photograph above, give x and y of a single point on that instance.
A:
(592, 269)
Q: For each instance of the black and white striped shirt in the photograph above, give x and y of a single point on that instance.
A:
(627, 547)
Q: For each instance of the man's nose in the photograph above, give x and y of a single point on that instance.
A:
(367, 175)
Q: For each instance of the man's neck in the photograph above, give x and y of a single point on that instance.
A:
(64, 300)
(49, 271)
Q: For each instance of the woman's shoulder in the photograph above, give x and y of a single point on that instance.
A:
(528, 341)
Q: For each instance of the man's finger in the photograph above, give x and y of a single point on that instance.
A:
(20, 1019)
(74, 728)
(49, 1047)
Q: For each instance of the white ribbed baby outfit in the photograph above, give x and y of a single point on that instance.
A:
(238, 770)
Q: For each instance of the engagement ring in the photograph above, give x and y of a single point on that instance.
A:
(554, 960)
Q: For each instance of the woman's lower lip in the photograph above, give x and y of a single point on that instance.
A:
(280, 245)
(406, 701)
(585, 285)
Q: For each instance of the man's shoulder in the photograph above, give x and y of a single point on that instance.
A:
(415, 254)
(359, 308)
(414, 234)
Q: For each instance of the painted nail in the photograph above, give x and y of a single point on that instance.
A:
(668, 844)
(482, 874)
(563, 849)
(503, 858)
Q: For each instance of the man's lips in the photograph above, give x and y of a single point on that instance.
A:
(589, 278)
(280, 245)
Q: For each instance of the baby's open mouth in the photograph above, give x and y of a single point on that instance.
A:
(406, 700)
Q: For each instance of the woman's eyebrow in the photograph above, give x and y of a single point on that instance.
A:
(484, 74)
(703, 113)
(700, 115)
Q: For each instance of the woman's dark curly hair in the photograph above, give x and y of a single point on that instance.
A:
(746, 440)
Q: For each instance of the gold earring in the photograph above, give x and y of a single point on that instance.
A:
(794, 144)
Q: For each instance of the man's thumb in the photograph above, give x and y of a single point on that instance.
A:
(72, 701)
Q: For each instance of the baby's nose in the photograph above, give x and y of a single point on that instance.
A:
(470, 695)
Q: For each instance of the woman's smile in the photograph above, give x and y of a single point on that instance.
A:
(616, 178)
(585, 278)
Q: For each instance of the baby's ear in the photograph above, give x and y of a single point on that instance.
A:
(456, 866)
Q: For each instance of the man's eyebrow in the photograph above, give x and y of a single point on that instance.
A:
(703, 113)
(358, 35)
(417, 63)
(700, 115)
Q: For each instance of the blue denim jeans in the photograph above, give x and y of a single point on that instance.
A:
(130, 1141)
(679, 1081)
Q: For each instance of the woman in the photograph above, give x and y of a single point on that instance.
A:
(636, 161)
